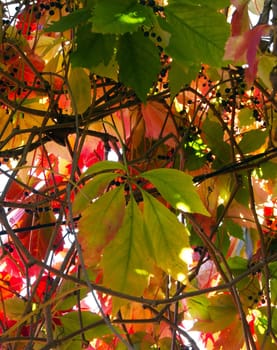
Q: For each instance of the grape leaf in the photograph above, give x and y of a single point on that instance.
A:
(138, 54)
(80, 90)
(120, 16)
(99, 224)
(167, 236)
(126, 266)
(177, 188)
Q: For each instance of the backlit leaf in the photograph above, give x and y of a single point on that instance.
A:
(125, 262)
(106, 165)
(95, 325)
(14, 308)
(193, 38)
(91, 190)
(167, 236)
(100, 222)
(177, 188)
(138, 54)
(265, 66)
(211, 314)
(243, 48)
(119, 16)
(80, 91)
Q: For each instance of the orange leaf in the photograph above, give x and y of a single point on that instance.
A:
(37, 240)
(158, 121)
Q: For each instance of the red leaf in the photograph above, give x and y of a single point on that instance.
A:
(10, 274)
(231, 337)
(243, 49)
(157, 117)
(240, 18)
(37, 240)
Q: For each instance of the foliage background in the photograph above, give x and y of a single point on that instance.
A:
(181, 229)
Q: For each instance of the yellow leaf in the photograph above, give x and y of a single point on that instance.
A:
(80, 91)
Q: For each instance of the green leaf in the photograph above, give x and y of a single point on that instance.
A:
(237, 264)
(108, 71)
(199, 33)
(214, 138)
(245, 117)
(80, 90)
(139, 63)
(13, 308)
(273, 281)
(120, 16)
(70, 293)
(93, 48)
(234, 229)
(70, 21)
(167, 236)
(217, 308)
(265, 66)
(105, 165)
(198, 307)
(273, 289)
(177, 188)
(253, 140)
(126, 266)
(215, 4)
(179, 75)
(95, 325)
(99, 224)
(267, 170)
(222, 241)
(91, 190)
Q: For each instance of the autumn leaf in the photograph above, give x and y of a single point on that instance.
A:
(37, 240)
(80, 91)
(177, 188)
(242, 49)
(167, 237)
(99, 223)
(126, 261)
(240, 17)
(158, 121)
